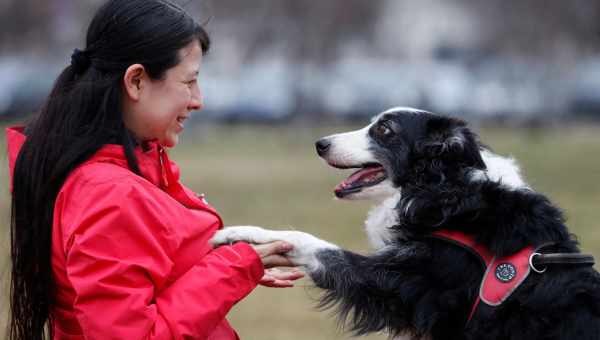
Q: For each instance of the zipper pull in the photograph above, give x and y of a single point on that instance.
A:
(163, 170)
(202, 197)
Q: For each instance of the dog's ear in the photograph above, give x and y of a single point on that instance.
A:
(438, 205)
(439, 190)
(449, 140)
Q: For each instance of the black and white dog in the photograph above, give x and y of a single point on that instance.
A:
(430, 173)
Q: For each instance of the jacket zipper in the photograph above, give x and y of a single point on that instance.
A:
(163, 170)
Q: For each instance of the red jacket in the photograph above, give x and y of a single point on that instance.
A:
(130, 256)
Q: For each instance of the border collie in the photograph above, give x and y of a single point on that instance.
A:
(429, 173)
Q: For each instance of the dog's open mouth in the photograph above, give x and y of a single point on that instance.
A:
(368, 175)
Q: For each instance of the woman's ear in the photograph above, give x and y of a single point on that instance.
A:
(133, 81)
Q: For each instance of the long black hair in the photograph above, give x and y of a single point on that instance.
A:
(81, 114)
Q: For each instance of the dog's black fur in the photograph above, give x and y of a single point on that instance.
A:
(420, 286)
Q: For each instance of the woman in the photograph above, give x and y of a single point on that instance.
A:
(106, 243)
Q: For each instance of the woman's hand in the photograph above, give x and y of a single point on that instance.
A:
(277, 278)
(273, 255)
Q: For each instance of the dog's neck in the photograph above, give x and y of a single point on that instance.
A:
(384, 215)
(380, 219)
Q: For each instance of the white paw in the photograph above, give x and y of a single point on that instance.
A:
(305, 245)
(248, 234)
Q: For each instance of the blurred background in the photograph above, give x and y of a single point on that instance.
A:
(281, 73)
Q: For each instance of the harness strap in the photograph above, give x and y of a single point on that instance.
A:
(468, 243)
(504, 275)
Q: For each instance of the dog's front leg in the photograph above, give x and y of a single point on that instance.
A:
(369, 291)
(384, 291)
(306, 246)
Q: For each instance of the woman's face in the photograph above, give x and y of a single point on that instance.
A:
(163, 105)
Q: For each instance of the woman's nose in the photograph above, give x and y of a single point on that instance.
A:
(196, 101)
(196, 105)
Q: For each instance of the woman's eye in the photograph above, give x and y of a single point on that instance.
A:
(191, 82)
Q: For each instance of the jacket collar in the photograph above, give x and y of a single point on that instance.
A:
(153, 161)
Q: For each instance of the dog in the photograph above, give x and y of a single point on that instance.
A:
(431, 177)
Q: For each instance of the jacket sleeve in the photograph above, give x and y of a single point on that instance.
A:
(118, 257)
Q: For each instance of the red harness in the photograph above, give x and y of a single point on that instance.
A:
(502, 276)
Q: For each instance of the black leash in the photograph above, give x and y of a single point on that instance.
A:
(537, 260)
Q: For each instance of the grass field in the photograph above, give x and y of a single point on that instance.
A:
(270, 176)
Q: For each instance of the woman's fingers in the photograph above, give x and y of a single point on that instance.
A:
(276, 278)
(272, 254)
(277, 284)
(277, 247)
(277, 261)
(279, 274)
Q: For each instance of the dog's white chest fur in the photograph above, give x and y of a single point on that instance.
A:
(380, 220)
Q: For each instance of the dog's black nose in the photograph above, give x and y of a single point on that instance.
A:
(322, 146)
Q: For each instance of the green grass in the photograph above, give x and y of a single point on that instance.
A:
(270, 176)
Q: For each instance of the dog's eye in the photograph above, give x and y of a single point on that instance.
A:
(383, 129)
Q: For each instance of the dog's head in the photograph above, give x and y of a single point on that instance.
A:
(429, 158)
(397, 147)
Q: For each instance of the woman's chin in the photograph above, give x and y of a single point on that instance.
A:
(170, 141)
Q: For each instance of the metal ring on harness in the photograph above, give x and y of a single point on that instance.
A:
(533, 267)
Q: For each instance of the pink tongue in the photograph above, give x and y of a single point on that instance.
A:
(362, 175)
